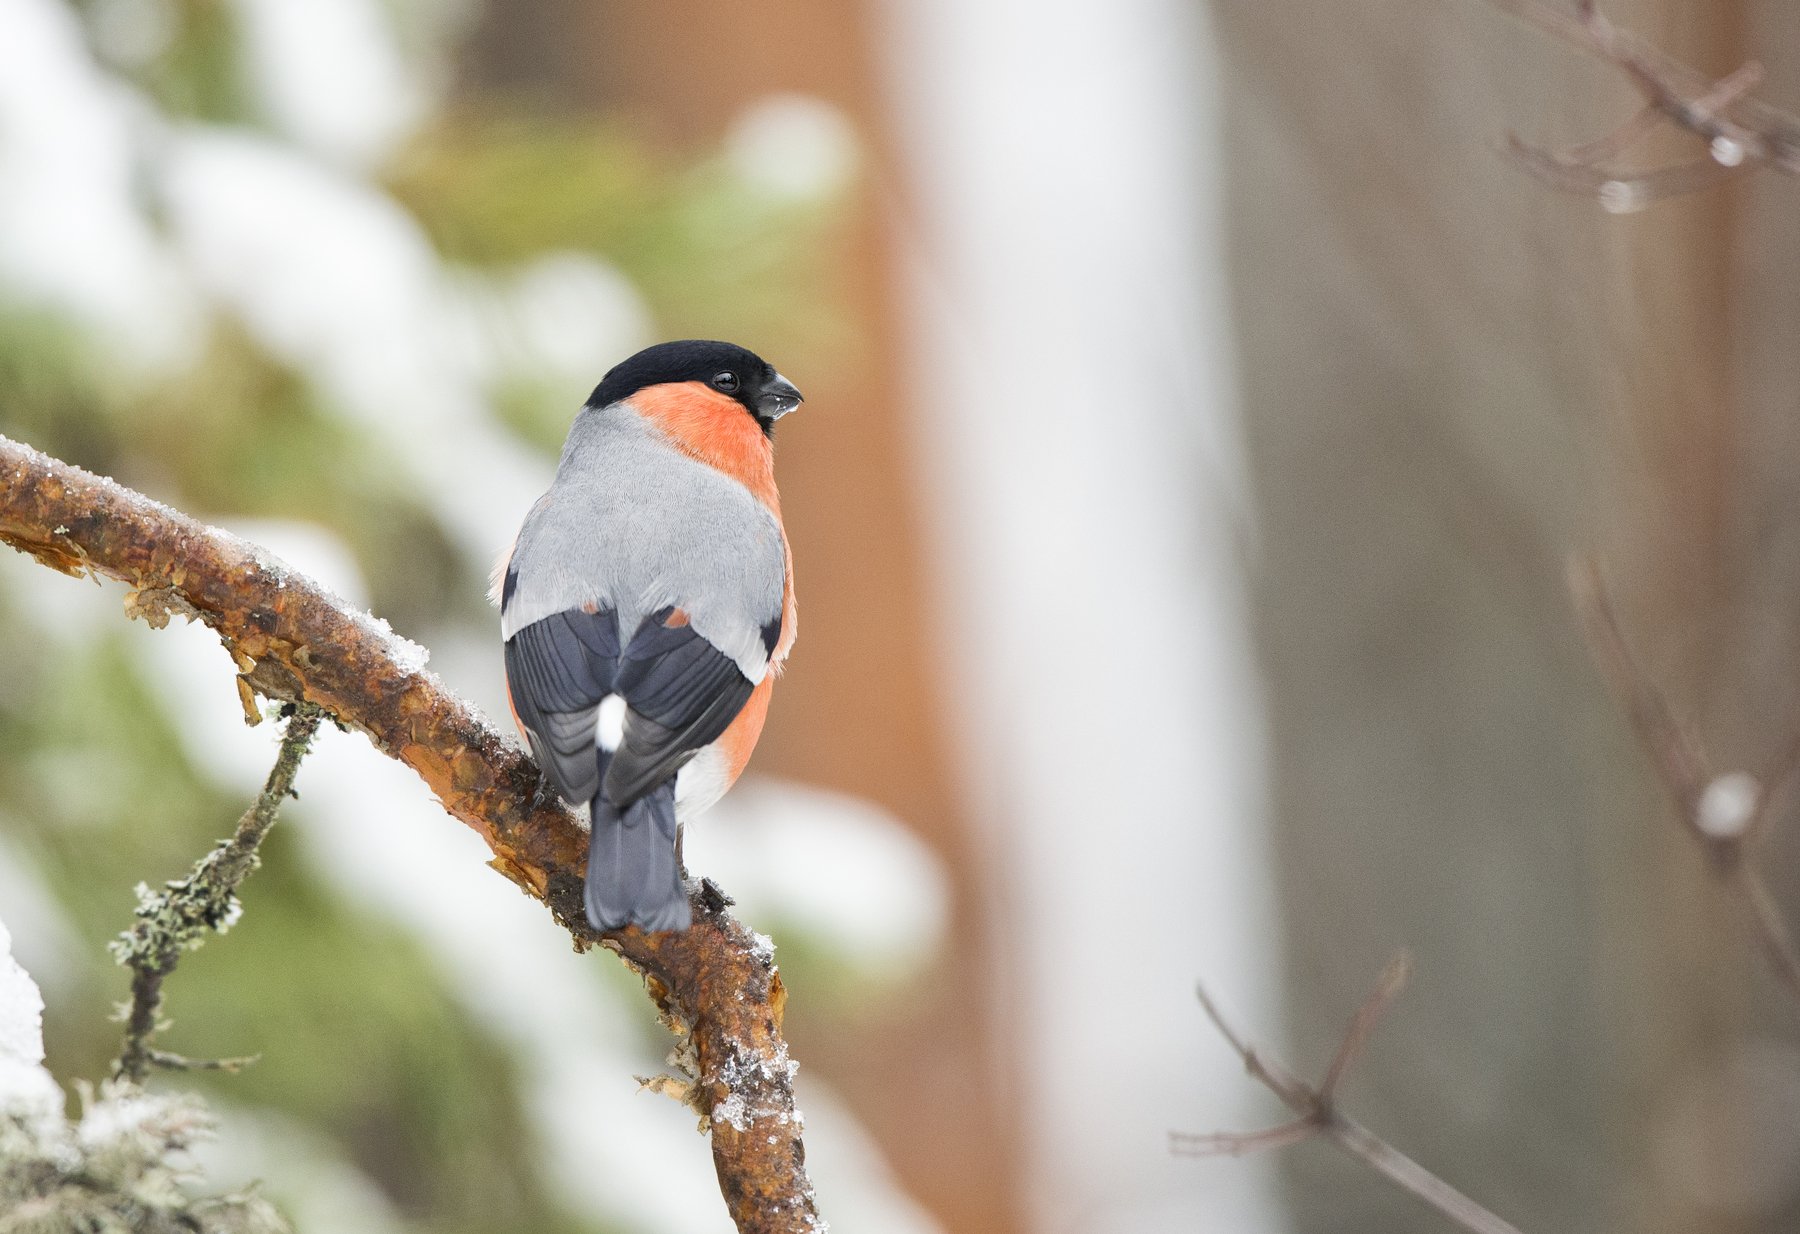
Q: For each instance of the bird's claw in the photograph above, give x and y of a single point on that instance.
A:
(544, 793)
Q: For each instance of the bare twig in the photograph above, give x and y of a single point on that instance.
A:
(1740, 132)
(1725, 813)
(179, 917)
(1606, 148)
(1619, 193)
(1320, 1118)
(1772, 934)
(181, 1062)
(1673, 752)
(296, 642)
(1393, 980)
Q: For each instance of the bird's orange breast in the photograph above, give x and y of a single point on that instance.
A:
(717, 430)
(737, 741)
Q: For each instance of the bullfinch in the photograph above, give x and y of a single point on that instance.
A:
(647, 605)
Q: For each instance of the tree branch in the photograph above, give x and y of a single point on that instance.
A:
(1725, 813)
(1741, 132)
(1320, 1118)
(177, 918)
(716, 984)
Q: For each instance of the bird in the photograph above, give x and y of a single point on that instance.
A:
(647, 606)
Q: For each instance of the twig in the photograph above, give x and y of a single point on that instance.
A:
(1320, 1118)
(1677, 759)
(1771, 931)
(180, 1062)
(179, 917)
(1362, 1026)
(1726, 814)
(1741, 132)
(295, 642)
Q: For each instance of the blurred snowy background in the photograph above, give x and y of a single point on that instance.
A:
(335, 275)
(1200, 414)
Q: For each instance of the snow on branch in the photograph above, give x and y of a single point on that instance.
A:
(716, 985)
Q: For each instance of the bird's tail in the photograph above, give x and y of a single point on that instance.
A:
(632, 875)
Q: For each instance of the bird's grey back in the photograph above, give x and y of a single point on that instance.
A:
(633, 524)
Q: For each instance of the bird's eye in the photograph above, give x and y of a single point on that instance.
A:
(727, 382)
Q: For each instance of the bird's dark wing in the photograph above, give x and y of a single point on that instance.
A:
(557, 671)
(681, 693)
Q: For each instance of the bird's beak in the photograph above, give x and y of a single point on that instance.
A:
(777, 398)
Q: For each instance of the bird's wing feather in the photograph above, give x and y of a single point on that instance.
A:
(681, 692)
(557, 671)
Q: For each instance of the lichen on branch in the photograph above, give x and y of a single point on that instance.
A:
(180, 916)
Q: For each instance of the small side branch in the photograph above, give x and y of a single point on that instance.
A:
(1726, 814)
(179, 917)
(1321, 1119)
(1740, 132)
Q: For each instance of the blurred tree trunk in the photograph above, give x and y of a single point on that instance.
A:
(860, 703)
(1453, 378)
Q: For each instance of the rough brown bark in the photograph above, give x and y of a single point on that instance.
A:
(716, 984)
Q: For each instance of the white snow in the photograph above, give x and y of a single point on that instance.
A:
(26, 1089)
(410, 656)
(334, 277)
(282, 546)
(732, 1112)
(330, 75)
(793, 147)
(72, 237)
(21, 1009)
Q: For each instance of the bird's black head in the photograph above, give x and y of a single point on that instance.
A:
(729, 369)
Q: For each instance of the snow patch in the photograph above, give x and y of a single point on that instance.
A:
(72, 235)
(793, 147)
(21, 1009)
(27, 1093)
(329, 74)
